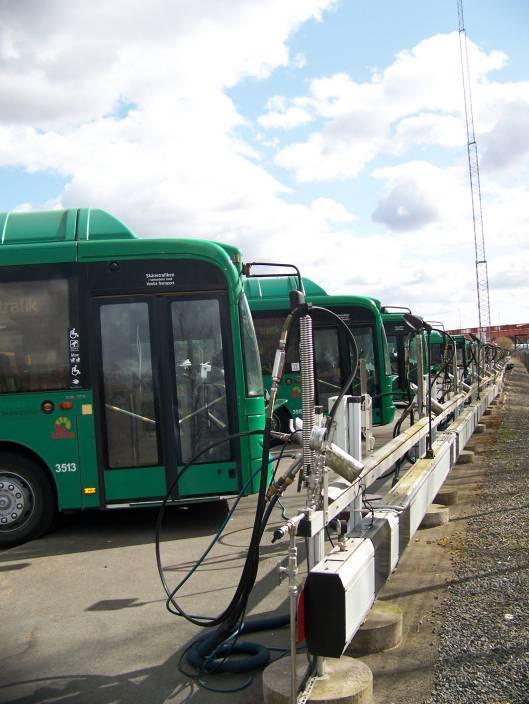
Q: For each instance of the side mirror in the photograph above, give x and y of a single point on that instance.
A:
(414, 322)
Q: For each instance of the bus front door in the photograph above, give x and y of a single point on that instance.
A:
(162, 397)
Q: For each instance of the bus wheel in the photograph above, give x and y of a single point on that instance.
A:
(27, 502)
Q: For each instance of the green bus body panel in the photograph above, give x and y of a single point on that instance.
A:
(160, 248)
(135, 483)
(91, 235)
(210, 479)
(27, 254)
(87, 446)
(53, 439)
(270, 294)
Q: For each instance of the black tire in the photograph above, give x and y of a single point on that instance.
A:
(27, 500)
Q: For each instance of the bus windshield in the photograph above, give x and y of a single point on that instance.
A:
(268, 330)
(331, 349)
(252, 363)
(393, 353)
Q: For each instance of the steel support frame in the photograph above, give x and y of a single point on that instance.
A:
(393, 524)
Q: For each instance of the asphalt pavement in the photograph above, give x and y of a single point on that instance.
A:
(83, 610)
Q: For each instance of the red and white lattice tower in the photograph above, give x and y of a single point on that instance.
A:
(482, 274)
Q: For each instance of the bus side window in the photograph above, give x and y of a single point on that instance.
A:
(7, 380)
(34, 321)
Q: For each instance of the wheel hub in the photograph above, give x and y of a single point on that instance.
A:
(15, 499)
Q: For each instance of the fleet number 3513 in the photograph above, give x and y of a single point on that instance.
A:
(66, 467)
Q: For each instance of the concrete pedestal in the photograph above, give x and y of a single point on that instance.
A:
(435, 516)
(480, 428)
(381, 630)
(447, 497)
(465, 457)
(346, 681)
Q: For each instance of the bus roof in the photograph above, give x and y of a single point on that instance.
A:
(272, 294)
(461, 340)
(393, 317)
(72, 225)
(91, 234)
(438, 338)
(277, 288)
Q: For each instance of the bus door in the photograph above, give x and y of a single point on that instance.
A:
(162, 394)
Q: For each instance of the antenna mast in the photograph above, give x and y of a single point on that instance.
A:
(482, 274)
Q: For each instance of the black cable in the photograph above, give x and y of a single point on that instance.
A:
(367, 502)
(170, 600)
(329, 535)
(445, 361)
(205, 621)
(230, 620)
(210, 656)
(280, 456)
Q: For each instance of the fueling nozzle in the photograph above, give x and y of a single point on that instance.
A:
(335, 458)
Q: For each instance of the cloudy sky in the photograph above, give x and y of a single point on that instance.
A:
(329, 133)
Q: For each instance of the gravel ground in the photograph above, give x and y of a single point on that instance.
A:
(484, 642)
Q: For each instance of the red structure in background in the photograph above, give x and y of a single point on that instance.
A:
(519, 332)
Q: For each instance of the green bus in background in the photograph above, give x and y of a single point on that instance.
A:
(269, 302)
(402, 344)
(439, 348)
(121, 359)
(466, 355)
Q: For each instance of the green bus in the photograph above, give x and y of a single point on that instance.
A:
(402, 345)
(121, 360)
(464, 351)
(269, 302)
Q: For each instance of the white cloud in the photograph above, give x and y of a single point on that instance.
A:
(507, 143)
(65, 63)
(299, 60)
(416, 101)
(290, 118)
(427, 129)
(173, 163)
(129, 104)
